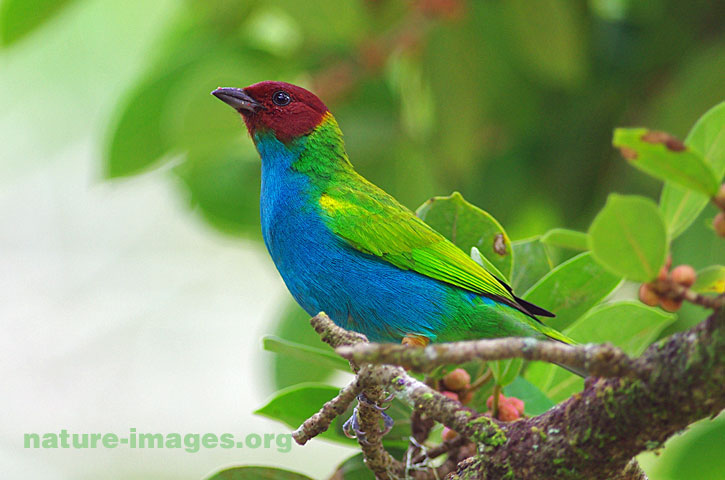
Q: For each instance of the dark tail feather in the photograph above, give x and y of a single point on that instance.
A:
(535, 309)
(530, 308)
(574, 370)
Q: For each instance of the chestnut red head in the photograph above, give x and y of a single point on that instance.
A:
(287, 110)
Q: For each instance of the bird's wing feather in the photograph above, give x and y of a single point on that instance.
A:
(373, 222)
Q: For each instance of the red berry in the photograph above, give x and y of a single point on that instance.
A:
(451, 395)
(457, 380)
(517, 403)
(719, 224)
(507, 412)
(489, 401)
(684, 275)
(648, 296)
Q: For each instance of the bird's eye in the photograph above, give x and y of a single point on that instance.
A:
(281, 98)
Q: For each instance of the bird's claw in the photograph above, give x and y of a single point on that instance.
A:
(380, 408)
(388, 423)
(351, 428)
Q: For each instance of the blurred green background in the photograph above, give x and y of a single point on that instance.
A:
(510, 102)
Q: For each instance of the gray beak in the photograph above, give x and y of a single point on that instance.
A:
(238, 99)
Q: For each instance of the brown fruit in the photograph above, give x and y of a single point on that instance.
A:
(457, 380)
(719, 224)
(684, 275)
(448, 434)
(670, 305)
(648, 296)
(719, 198)
(665, 270)
(466, 397)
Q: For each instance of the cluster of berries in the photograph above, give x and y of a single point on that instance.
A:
(509, 408)
(457, 386)
(652, 293)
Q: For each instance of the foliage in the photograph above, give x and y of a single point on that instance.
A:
(627, 241)
(507, 102)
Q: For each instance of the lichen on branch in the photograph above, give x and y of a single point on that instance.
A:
(594, 434)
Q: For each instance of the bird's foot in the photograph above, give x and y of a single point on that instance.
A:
(416, 340)
(351, 427)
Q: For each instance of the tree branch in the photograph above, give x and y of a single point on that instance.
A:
(599, 360)
(321, 421)
(594, 434)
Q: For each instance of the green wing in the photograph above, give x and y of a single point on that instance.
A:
(375, 223)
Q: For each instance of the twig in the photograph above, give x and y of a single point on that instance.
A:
(594, 434)
(478, 383)
(668, 288)
(320, 421)
(495, 399)
(332, 334)
(603, 360)
(376, 457)
(368, 380)
(440, 449)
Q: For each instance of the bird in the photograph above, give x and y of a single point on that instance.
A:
(345, 247)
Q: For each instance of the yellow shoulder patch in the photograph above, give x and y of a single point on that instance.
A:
(332, 205)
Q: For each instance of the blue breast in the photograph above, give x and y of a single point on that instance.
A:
(358, 291)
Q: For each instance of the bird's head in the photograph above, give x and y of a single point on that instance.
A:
(286, 110)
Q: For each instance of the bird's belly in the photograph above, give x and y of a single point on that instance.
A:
(358, 291)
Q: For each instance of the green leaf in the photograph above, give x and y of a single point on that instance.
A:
(628, 237)
(354, 468)
(710, 280)
(629, 325)
(506, 371)
(571, 289)
(293, 325)
(468, 226)
(700, 456)
(680, 207)
(226, 189)
(323, 358)
(561, 237)
(18, 18)
(535, 402)
(532, 260)
(293, 405)
(257, 473)
(135, 139)
(664, 157)
(483, 261)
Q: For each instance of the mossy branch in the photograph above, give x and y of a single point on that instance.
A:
(595, 434)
